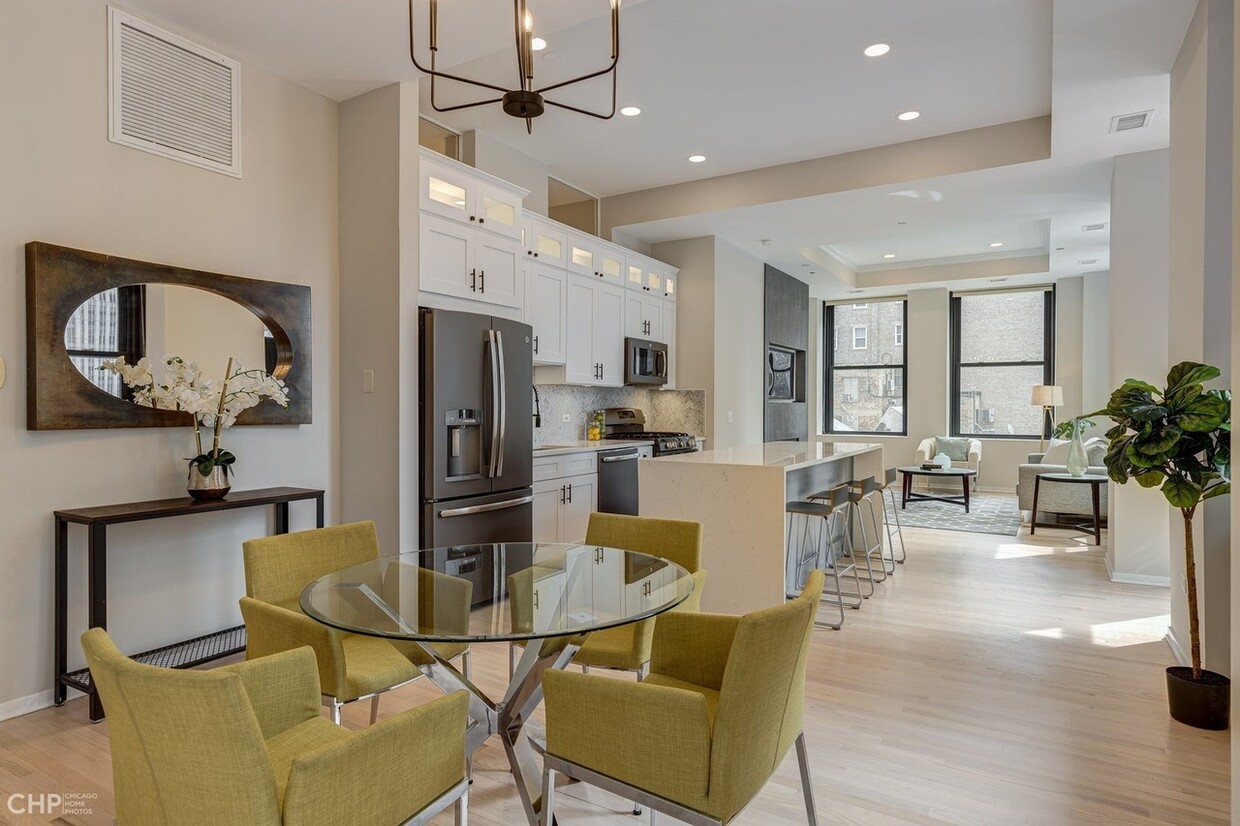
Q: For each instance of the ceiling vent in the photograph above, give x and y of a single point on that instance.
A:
(1093, 227)
(172, 97)
(1086, 262)
(1137, 120)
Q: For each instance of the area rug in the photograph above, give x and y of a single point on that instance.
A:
(987, 514)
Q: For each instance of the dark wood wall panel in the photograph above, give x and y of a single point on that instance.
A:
(787, 326)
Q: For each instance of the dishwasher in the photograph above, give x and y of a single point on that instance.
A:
(617, 480)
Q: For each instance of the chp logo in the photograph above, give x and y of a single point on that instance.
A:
(51, 803)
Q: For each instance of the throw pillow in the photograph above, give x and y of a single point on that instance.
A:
(1057, 452)
(956, 449)
(1096, 451)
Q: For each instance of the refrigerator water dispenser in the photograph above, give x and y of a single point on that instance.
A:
(464, 444)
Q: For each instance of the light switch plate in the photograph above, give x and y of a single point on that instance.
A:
(368, 381)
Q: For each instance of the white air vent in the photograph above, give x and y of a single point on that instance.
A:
(1137, 120)
(1085, 262)
(1093, 227)
(172, 97)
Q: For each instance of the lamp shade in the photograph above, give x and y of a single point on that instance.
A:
(1047, 395)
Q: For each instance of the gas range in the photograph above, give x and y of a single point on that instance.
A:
(630, 423)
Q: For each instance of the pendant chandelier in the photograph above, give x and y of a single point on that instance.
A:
(525, 102)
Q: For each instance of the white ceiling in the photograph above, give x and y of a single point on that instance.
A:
(752, 85)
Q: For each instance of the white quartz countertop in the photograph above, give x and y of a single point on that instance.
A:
(788, 455)
(561, 448)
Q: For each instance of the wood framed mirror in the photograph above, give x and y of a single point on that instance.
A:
(84, 307)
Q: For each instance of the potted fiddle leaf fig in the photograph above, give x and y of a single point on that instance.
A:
(1178, 439)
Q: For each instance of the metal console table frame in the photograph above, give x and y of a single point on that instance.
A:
(185, 654)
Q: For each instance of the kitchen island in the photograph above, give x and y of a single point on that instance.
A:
(738, 494)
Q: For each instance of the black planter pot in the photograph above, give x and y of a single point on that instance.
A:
(1203, 703)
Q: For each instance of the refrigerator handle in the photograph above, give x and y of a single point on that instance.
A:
(496, 455)
(487, 508)
(503, 403)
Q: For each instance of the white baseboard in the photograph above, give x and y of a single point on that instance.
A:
(1176, 649)
(1135, 579)
(25, 705)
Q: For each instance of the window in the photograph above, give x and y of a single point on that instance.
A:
(569, 205)
(106, 325)
(438, 139)
(1002, 345)
(864, 386)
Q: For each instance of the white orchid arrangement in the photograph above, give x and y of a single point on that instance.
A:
(209, 403)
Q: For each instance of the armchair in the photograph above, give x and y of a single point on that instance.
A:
(351, 666)
(699, 738)
(246, 744)
(927, 451)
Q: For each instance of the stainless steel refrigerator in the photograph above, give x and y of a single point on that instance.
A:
(477, 439)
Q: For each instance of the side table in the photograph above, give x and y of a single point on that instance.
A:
(97, 519)
(1095, 483)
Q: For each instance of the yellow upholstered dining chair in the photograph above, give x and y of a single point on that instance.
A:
(704, 732)
(246, 744)
(627, 648)
(351, 666)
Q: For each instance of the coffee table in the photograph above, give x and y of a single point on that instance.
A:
(914, 470)
(1095, 483)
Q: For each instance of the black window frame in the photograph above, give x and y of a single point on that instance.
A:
(828, 373)
(130, 331)
(1047, 363)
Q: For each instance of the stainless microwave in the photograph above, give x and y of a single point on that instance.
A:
(645, 362)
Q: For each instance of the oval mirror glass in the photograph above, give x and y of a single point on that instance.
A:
(154, 320)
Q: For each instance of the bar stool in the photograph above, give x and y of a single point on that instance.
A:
(840, 524)
(861, 492)
(887, 492)
(817, 550)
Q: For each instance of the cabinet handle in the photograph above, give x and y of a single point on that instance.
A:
(473, 280)
(535, 345)
(529, 252)
(562, 495)
(535, 255)
(536, 599)
(570, 494)
(482, 281)
(473, 218)
(482, 220)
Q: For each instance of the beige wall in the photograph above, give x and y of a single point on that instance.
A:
(484, 152)
(65, 183)
(1139, 517)
(1234, 579)
(1096, 342)
(205, 328)
(721, 302)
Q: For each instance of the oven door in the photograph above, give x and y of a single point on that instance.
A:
(645, 362)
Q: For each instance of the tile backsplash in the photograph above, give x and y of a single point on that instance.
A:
(677, 410)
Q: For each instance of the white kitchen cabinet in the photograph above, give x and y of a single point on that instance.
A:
(645, 593)
(611, 266)
(669, 283)
(583, 254)
(546, 242)
(562, 508)
(548, 597)
(635, 274)
(459, 193)
(595, 333)
(654, 279)
(546, 290)
(643, 316)
(456, 259)
(669, 337)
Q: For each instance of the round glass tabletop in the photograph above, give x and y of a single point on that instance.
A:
(486, 593)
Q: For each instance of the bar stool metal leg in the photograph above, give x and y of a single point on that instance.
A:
(892, 518)
(807, 550)
(859, 493)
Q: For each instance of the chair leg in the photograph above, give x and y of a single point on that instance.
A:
(374, 709)
(547, 817)
(512, 659)
(807, 787)
(466, 665)
(336, 704)
(460, 813)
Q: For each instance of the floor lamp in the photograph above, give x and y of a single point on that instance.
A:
(1048, 397)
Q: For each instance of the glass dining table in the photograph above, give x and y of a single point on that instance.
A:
(547, 596)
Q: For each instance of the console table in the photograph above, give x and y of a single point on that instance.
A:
(184, 654)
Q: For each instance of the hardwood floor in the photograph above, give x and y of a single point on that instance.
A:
(995, 680)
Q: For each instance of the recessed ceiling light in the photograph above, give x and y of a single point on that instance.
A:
(889, 255)
(538, 44)
(910, 115)
(696, 158)
(630, 111)
(877, 50)
(997, 244)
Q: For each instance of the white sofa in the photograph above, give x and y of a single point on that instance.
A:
(1066, 499)
(926, 452)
